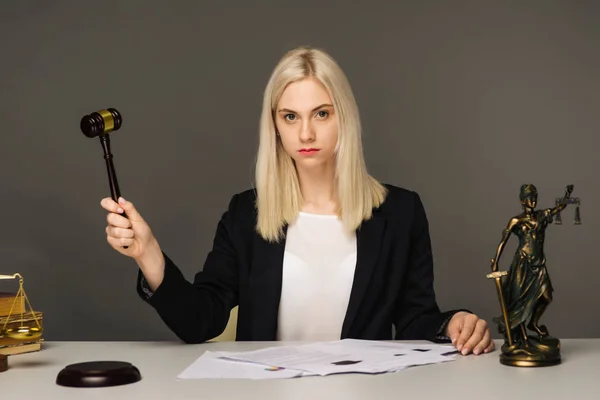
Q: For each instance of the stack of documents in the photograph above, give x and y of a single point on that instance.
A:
(326, 358)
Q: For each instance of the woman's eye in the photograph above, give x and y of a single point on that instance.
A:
(289, 117)
(322, 114)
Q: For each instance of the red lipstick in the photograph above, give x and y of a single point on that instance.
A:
(308, 151)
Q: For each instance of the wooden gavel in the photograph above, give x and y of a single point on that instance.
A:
(100, 124)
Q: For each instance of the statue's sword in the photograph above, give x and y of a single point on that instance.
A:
(497, 276)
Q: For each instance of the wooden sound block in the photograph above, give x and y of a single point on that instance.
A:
(3, 362)
(98, 374)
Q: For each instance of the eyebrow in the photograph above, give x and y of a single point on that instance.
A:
(314, 109)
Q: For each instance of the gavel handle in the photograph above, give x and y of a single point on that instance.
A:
(110, 169)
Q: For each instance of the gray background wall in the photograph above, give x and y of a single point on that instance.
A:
(461, 101)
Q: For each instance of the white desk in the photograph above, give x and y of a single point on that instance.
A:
(32, 376)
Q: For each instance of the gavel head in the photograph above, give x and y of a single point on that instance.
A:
(101, 122)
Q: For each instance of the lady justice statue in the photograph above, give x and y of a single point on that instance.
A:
(527, 290)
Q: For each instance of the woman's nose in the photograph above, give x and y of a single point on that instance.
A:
(307, 133)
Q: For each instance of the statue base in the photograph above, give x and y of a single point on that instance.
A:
(536, 352)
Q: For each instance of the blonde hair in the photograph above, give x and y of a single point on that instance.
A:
(279, 198)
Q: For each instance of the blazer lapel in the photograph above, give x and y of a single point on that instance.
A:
(369, 238)
(265, 285)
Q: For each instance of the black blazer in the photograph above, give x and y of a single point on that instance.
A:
(393, 282)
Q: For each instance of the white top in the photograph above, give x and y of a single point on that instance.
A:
(318, 271)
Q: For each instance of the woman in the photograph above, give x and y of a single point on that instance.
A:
(320, 250)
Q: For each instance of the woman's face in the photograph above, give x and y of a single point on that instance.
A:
(307, 125)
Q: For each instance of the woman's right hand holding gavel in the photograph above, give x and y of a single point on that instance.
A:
(132, 237)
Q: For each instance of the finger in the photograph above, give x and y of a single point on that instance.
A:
(118, 220)
(119, 232)
(490, 347)
(119, 243)
(467, 331)
(132, 212)
(483, 343)
(454, 327)
(475, 338)
(110, 205)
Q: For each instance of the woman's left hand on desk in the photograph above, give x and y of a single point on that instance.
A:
(469, 333)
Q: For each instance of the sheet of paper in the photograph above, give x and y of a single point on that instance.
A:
(211, 366)
(347, 355)
(417, 350)
(324, 358)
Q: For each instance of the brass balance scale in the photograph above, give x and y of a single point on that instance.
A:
(21, 332)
